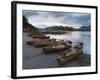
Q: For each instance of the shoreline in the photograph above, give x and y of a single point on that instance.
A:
(34, 58)
(61, 32)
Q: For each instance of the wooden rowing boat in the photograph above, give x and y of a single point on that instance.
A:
(40, 36)
(57, 46)
(43, 43)
(34, 33)
(37, 40)
(68, 56)
(54, 48)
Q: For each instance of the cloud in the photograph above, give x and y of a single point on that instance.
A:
(44, 19)
(79, 18)
(29, 13)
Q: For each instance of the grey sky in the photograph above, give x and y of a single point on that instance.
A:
(44, 19)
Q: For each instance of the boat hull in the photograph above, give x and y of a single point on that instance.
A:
(68, 58)
(50, 49)
(71, 55)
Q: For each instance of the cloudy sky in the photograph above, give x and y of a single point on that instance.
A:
(43, 19)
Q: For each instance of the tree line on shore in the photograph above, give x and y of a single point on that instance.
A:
(28, 26)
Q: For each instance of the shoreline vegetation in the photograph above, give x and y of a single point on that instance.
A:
(51, 46)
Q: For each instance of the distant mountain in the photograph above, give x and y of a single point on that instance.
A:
(53, 27)
(27, 26)
(63, 28)
(85, 28)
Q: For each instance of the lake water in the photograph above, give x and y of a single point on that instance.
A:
(75, 36)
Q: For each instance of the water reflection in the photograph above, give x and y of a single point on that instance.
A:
(75, 36)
